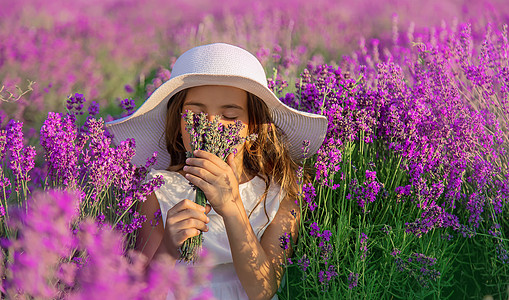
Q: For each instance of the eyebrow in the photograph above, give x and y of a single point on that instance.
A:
(224, 106)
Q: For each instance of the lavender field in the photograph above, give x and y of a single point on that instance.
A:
(410, 190)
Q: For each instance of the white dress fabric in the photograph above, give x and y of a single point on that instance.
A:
(225, 283)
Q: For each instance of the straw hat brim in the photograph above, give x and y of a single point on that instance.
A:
(147, 124)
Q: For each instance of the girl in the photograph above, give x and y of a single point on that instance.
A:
(251, 195)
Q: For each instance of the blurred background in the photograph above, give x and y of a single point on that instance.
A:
(416, 93)
(110, 50)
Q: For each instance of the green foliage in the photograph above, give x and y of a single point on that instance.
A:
(467, 270)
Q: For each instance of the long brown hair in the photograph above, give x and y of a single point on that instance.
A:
(267, 157)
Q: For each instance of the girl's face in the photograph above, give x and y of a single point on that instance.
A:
(228, 102)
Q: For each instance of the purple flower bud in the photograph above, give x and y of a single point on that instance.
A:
(128, 88)
(284, 241)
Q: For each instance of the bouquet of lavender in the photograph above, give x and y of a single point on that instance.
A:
(218, 139)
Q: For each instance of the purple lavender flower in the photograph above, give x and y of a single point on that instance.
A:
(100, 219)
(106, 165)
(284, 241)
(128, 88)
(41, 244)
(100, 168)
(129, 106)
(386, 229)
(304, 263)
(475, 206)
(326, 250)
(151, 160)
(135, 223)
(366, 192)
(5, 193)
(75, 104)
(370, 189)
(58, 138)
(363, 245)
(309, 194)
(495, 230)
(325, 247)
(104, 262)
(502, 253)
(155, 221)
(213, 136)
(395, 252)
(93, 109)
(324, 277)
(300, 174)
(277, 85)
(305, 148)
(162, 75)
(21, 158)
(402, 192)
(420, 267)
(353, 280)
(328, 162)
(433, 216)
(467, 231)
(262, 53)
(315, 230)
(325, 235)
(3, 144)
(140, 190)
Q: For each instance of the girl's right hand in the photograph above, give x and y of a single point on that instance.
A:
(184, 220)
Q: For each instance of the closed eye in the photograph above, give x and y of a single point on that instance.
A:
(230, 118)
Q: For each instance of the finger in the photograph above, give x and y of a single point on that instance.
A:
(190, 224)
(182, 235)
(204, 164)
(208, 208)
(224, 167)
(231, 162)
(211, 157)
(199, 182)
(187, 214)
(202, 173)
(182, 205)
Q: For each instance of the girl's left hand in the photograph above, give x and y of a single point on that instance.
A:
(216, 178)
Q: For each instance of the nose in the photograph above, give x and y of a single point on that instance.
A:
(210, 117)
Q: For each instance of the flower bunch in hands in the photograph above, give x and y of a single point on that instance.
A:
(216, 138)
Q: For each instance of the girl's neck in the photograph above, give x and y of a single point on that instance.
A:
(244, 176)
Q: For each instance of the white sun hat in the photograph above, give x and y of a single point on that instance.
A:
(214, 64)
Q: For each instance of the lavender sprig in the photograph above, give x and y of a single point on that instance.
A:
(218, 139)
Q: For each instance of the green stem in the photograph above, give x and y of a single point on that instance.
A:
(4, 195)
(397, 171)
(123, 214)
(191, 246)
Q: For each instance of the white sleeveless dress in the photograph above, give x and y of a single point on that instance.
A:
(225, 283)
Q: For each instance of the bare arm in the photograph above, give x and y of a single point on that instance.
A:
(183, 220)
(259, 263)
(148, 239)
